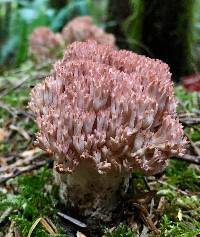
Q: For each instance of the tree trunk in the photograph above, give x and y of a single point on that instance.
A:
(168, 32)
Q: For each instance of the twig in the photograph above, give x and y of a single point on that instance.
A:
(21, 170)
(71, 219)
(195, 147)
(5, 92)
(5, 214)
(21, 163)
(12, 231)
(50, 229)
(161, 205)
(197, 111)
(186, 115)
(190, 120)
(189, 158)
(22, 82)
(173, 187)
(145, 216)
(21, 131)
(9, 109)
(14, 112)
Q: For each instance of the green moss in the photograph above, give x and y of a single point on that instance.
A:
(120, 231)
(182, 176)
(189, 100)
(186, 228)
(17, 98)
(182, 212)
(36, 197)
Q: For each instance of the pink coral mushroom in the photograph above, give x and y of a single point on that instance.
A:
(83, 29)
(103, 114)
(44, 44)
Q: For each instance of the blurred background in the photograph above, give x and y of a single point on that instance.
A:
(168, 31)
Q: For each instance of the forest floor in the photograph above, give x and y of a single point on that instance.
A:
(167, 205)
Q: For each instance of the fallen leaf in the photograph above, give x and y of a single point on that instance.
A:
(12, 232)
(50, 229)
(33, 227)
(3, 134)
(161, 205)
(192, 82)
(45, 224)
(3, 161)
(180, 215)
(144, 215)
(21, 131)
(79, 234)
(30, 153)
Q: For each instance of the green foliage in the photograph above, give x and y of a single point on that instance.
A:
(182, 212)
(25, 16)
(13, 98)
(182, 176)
(98, 10)
(36, 198)
(190, 228)
(188, 100)
(120, 231)
(73, 8)
(133, 25)
(195, 136)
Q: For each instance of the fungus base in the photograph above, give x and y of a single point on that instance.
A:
(90, 194)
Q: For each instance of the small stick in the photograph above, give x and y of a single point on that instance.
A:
(174, 188)
(73, 220)
(14, 112)
(190, 120)
(189, 158)
(5, 214)
(15, 87)
(21, 170)
(21, 162)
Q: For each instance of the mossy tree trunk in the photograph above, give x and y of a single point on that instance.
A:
(167, 30)
(160, 29)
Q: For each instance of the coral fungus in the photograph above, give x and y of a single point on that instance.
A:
(103, 114)
(82, 29)
(44, 44)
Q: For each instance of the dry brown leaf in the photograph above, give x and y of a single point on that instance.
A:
(12, 232)
(3, 134)
(180, 215)
(30, 153)
(33, 227)
(161, 205)
(48, 226)
(145, 216)
(79, 234)
(21, 131)
(3, 161)
(45, 224)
